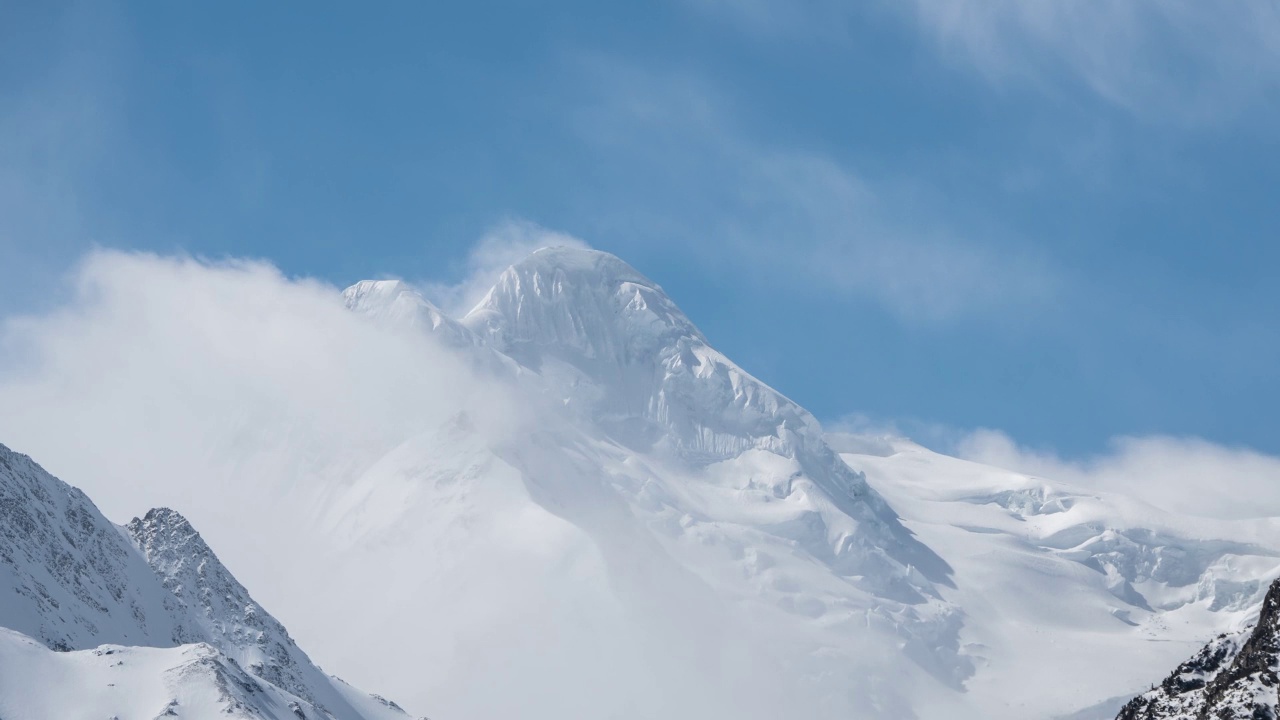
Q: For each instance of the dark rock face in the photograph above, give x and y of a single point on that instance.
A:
(1234, 677)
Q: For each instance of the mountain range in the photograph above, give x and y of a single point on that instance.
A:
(684, 542)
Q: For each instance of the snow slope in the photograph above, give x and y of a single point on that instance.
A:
(198, 645)
(186, 682)
(1073, 598)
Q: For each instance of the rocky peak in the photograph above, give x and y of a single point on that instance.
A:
(582, 305)
(228, 617)
(75, 581)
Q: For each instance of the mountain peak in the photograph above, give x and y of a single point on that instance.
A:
(582, 263)
(228, 616)
(581, 305)
(169, 519)
(395, 302)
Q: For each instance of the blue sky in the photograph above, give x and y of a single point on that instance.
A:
(1056, 219)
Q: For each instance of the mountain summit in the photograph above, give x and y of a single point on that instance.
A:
(663, 450)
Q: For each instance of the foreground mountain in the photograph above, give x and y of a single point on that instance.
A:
(69, 578)
(94, 625)
(1235, 677)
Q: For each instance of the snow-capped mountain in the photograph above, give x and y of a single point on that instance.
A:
(92, 622)
(673, 468)
(1236, 676)
(921, 584)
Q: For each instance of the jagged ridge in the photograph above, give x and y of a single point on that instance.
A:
(72, 580)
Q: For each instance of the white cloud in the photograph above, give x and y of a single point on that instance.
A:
(165, 363)
(1182, 475)
(244, 399)
(1179, 61)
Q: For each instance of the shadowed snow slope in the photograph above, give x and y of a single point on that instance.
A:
(73, 581)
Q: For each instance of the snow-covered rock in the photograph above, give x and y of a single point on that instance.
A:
(1236, 676)
(148, 622)
(70, 578)
(227, 616)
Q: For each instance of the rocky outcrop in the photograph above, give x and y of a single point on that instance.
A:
(1234, 677)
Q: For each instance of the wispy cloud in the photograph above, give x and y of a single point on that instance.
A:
(1178, 61)
(799, 218)
(1164, 60)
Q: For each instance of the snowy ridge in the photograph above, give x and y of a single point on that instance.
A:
(160, 629)
(623, 355)
(227, 616)
(70, 578)
(187, 682)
